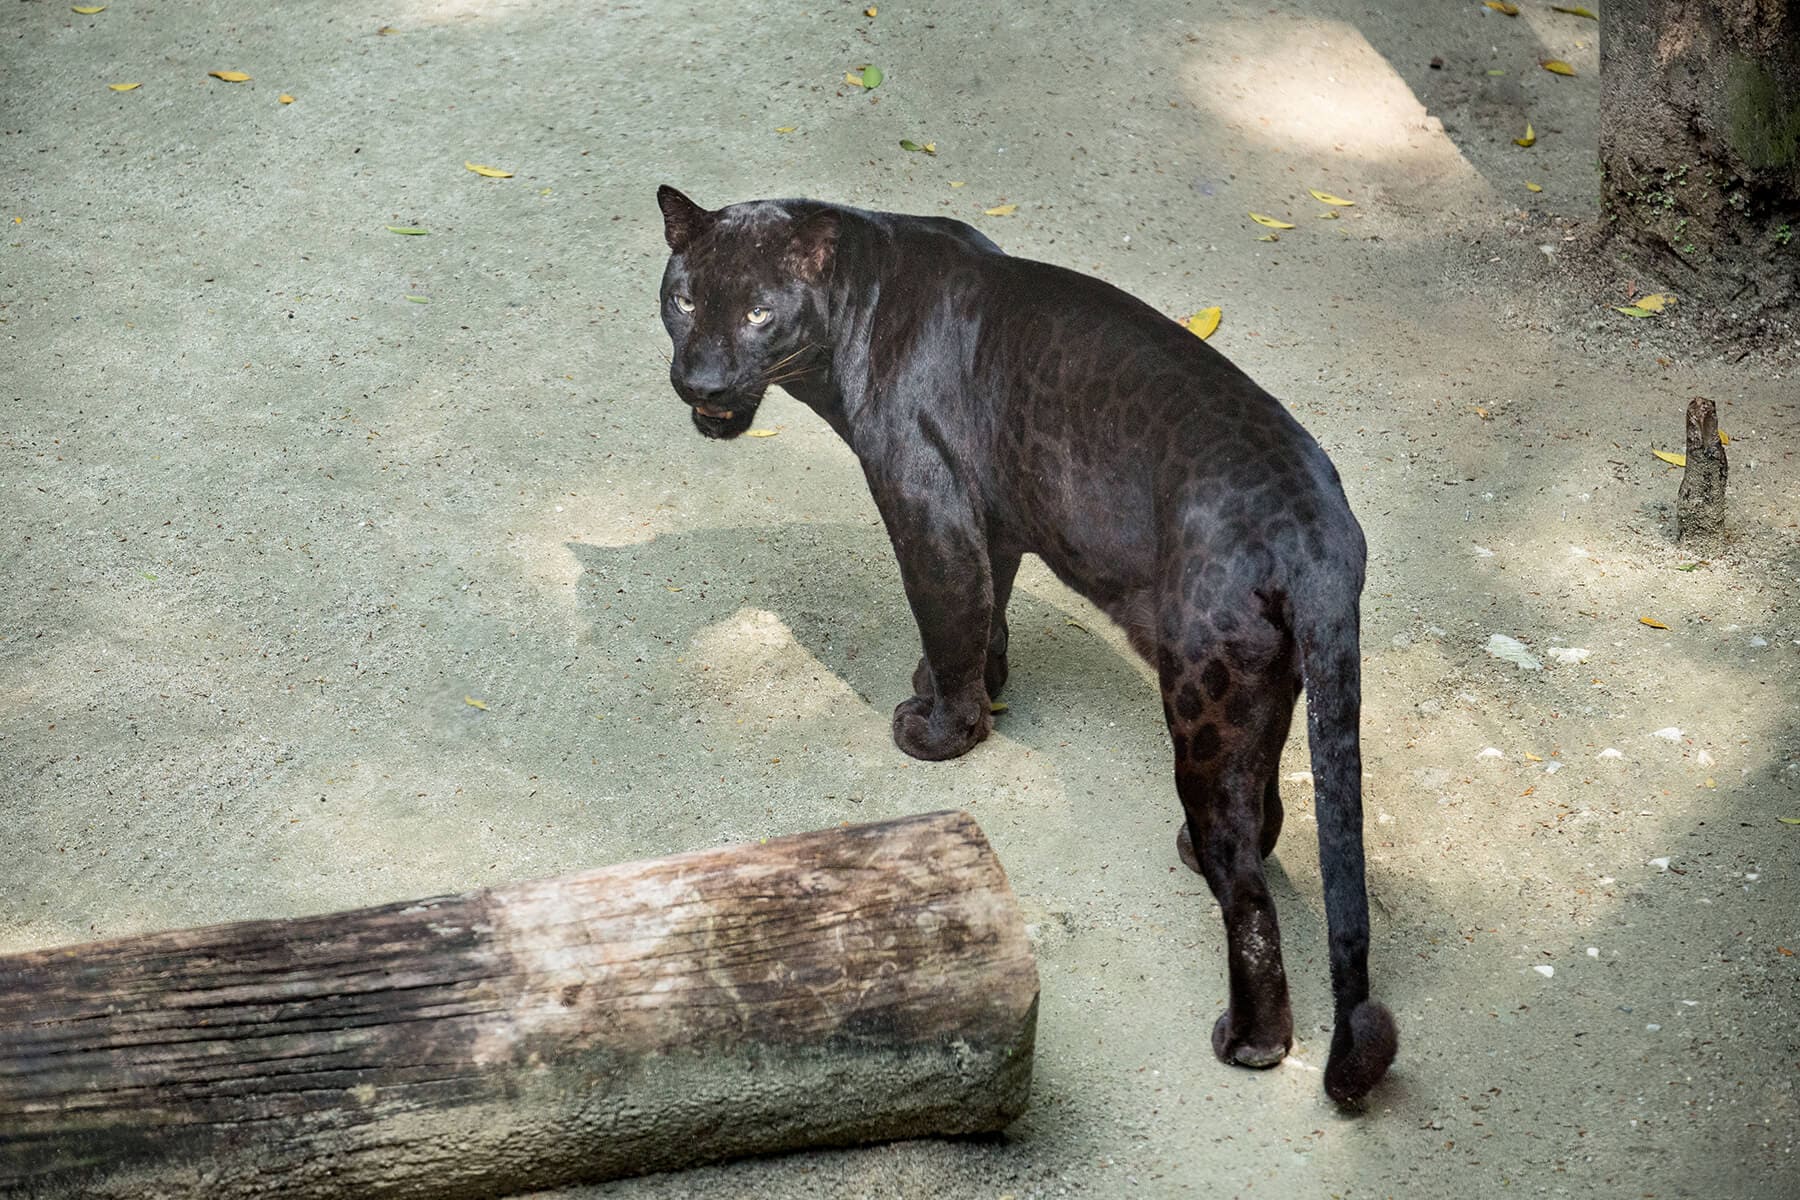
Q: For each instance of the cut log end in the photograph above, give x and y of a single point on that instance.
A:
(1700, 505)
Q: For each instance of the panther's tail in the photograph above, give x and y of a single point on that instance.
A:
(1365, 1038)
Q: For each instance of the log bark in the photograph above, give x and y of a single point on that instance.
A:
(829, 988)
(1700, 504)
(1700, 149)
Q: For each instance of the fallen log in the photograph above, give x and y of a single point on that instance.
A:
(829, 988)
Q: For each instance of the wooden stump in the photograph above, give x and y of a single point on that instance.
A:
(824, 989)
(1700, 505)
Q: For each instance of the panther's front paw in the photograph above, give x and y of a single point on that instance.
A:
(939, 732)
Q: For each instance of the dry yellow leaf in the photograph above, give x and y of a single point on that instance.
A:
(1483, 413)
(472, 702)
(124, 87)
(1532, 187)
(230, 76)
(1574, 11)
(1530, 138)
(1202, 323)
(1328, 198)
(958, 182)
(869, 11)
(786, 128)
(1530, 757)
(1001, 210)
(1724, 438)
(1556, 66)
(996, 706)
(284, 98)
(1655, 302)
(852, 78)
(1330, 214)
(1269, 237)
(1502, 6)
(1652, 622)
(488, 172)
(1674, 460)
(761, 432)
(87, 10)
(1271, 222)
(385, 30)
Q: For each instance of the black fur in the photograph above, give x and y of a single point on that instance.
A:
(1000, 407)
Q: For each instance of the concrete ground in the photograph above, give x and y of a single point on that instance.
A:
(343, 566)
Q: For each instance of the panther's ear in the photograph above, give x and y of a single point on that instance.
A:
(683, 220)
(814, 243)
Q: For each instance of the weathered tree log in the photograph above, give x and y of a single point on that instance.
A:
(1700, 504)
(829, 988)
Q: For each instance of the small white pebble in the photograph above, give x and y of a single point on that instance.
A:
(1569, 656)
(1552, 768)
(1704, 759)
(1661, 864)
(1577, 551)
(1691, 1003)
(1759, 640)
(1385, 819)
(1482, 552)
(1605, 880)
(1491, 752)
(1668, 733)
(1609, 752)
(1593, 952)
(1651, 1029)
(1300, 777)
(1545, 969)
(1753, 876)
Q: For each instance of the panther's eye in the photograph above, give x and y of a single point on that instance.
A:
(758, 315)
(683, 303)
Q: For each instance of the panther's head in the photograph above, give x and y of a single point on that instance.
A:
(744, 301)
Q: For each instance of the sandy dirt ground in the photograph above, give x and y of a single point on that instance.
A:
(282, 491)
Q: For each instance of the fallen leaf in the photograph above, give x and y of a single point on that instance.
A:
(785, 128)
(1501, 6)
(488, 172)
(997, 706)
(761, 432)
(1271, 222)
(1203, 323)
(408, 230)
(1328, 198)
(1632, 310)
(230, 76)
(87, 10)
(1656, 301)
(284, 98)
(931, 147)
(1483, 413)
(909, 144)
(1530, 138)
(472, 702)
(1556, 66)
(1674, 460)
(1330, 214)
(418, 300)
(1652, 622)
(385, 30)
(869, 11)
(1528, 791)
(1693, 566)
(1269, 237)
(853, 79)
(1496, 71)
(1532, 187)
(1574, 11)
(124, 87)
(871, 77)
(958, 183)
(1530, 757)
(1724, 438)
(1789, 820)
(1001, 210)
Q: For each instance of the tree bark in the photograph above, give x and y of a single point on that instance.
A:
(829, 988)
(1700, 146)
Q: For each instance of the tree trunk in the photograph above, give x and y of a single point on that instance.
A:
(1700, 147)
(829, 988)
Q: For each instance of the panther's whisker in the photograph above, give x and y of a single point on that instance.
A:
(777, 365)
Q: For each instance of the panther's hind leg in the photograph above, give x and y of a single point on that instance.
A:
(1228, 700)
(1272, 812)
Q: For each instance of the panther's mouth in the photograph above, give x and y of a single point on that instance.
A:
(717, 421)
(717, 414)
